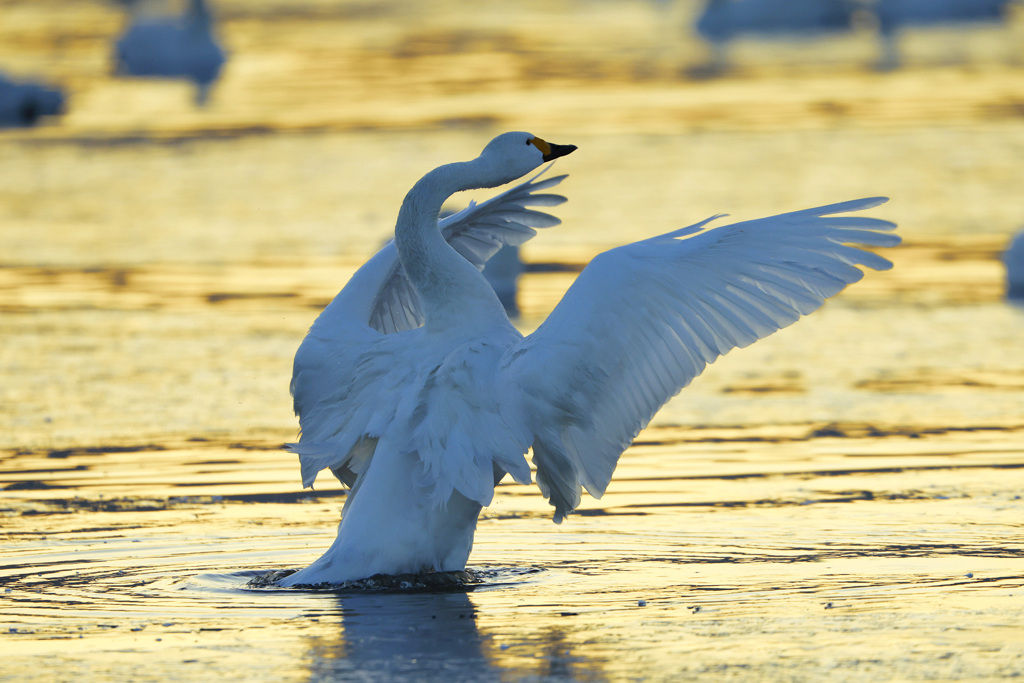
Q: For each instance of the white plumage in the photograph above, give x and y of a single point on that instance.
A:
(415, 390)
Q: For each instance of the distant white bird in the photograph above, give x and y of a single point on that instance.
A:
(723, 21)
(1013, 259)
(23, 104)
(502, 272)
(423, 421)
(896, 15)
(172, 47)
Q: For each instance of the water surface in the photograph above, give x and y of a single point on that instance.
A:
(840, 501)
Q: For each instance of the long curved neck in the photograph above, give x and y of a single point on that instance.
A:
(197, 16)
(452, 291)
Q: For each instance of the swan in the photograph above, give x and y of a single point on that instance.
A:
(172, 47)
(23, 104)
(502, 272)
(415, 390)
(896, 15)
(1013, 260)
(723, 21)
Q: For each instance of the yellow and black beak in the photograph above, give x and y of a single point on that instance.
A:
(551, 151)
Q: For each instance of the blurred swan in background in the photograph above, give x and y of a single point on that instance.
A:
(1013, 260)
(182, 46)
(896, 15)
(416, 391)
(723, 21)
(502, 272)
(23, 104)
(504, 269)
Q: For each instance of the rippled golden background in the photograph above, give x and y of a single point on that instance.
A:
(839, 501)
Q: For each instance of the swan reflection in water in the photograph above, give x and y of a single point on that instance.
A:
(400, 637)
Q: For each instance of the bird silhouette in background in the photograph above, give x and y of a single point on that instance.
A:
(894, 16)
(1013, 260)
(157, 46)
(723, 21)
(23, 104)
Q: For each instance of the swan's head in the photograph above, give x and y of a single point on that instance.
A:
(515, 154)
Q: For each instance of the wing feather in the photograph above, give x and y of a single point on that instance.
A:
(642, 321)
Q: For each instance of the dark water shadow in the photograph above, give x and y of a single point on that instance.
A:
(404, 629)
(462, 581)
(402, 637)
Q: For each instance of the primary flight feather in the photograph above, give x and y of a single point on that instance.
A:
(416, 391)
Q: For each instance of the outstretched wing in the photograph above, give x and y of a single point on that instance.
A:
(476, 232)
(641, 321)
(342, 369)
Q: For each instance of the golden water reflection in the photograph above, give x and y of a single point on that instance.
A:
(840, 501)
(724, 551)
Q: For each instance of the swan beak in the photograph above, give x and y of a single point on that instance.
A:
(552, 151)
(559, 151)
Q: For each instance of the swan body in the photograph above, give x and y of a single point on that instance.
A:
(415, 390)
(172, 47)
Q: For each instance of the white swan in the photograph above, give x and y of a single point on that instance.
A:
(896, 15)
(1013, 259)
(723, 21)
(502, 273)
(172, 47)
(422, 422)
